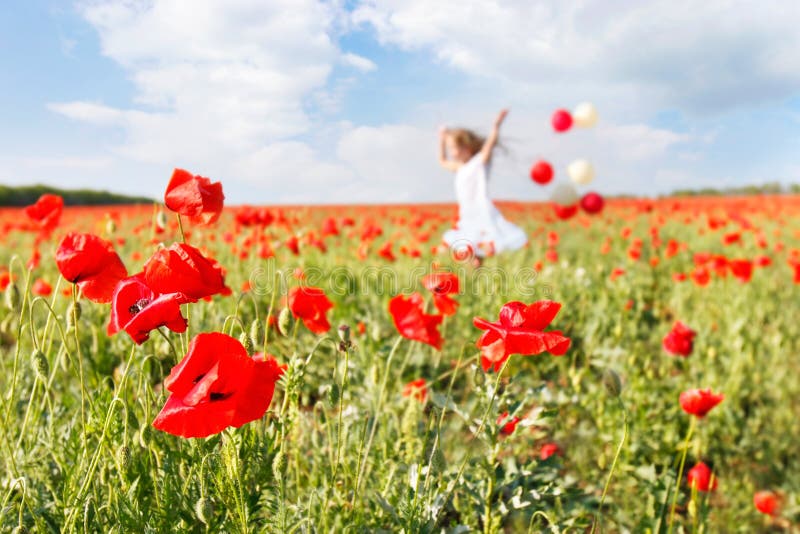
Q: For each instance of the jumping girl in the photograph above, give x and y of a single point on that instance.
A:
(481, 227)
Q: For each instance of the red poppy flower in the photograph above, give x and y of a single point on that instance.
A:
(46, 212)
(548, 450)
(194, 196)
(5, 279)
(412, 322)
(92, 264)
(762, 261)
(442, 285)
(699, 402)
(520, 330)
(293, 244)
(507, 424)
(217, 385)
(741, 269)
(417, 389)
(385, 252)
(767, 502)
(733, 237)
(182, 268)
(701, 276)
(699, 477)
(137, 309)
(310, 304)
(41, 288)
(680, 340)
(329, 227)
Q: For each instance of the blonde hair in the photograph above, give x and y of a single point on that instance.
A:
(467, 139)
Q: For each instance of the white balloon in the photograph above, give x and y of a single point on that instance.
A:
(580, 171)
(564, 194)
(585, 115)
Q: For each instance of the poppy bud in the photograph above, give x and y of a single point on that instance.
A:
(144, 436)
(12, 297)
(20, 529)
(344, 334)
(161, 219)
(257, 330)
(74, 309)
(285, 321)
(437, 460)
(247, 343)
(111, 226)
(204, 509)
(333, 395)
(5, 325)
(124, 457)
(279, 465)
(40, 365)
(612, 382)
(479, 376)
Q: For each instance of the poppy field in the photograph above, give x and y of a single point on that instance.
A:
(190, 366)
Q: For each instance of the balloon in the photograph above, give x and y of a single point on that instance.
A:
(565, 212)
(580, 171)
(561, 120)
(542, 172)
(592, 203)
(585, 115)
(564, 194)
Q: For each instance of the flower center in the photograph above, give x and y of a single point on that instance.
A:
(138, 306)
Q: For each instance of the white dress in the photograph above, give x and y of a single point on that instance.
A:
(480, 223)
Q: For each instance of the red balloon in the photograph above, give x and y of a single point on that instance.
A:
(565, 212)
(592, 203)
(561, 120)
(542, 172)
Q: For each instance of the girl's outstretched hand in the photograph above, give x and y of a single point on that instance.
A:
(500, 118)
(442, 131)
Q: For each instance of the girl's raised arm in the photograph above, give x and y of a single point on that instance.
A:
(491, 140)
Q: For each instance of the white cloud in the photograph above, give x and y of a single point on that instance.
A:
(90, 112)
(248, 91)
(394, 163)
(218, 85)
(710, 55)
(359, 62)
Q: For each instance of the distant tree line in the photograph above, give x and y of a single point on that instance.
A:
(28, 194)
(769, 188)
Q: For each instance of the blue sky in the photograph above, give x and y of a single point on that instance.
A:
(307, 101)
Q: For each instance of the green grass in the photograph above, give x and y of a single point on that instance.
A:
(79, 452)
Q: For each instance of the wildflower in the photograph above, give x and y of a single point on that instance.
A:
(217, 385)
(194, 196)
(412, 322)
(520, 330)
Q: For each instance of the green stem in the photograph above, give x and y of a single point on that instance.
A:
(613, 466)
(477, 434)
(87, 480)
(180, 227)
(363, 463)
(680, 475)
(341, 411)
(487, 510)
(79, 357)
(171, 346)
